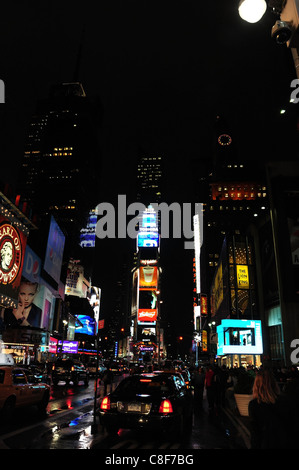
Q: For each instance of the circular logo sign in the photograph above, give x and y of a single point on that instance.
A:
(10, 253)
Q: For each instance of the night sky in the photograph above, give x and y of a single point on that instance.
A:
(163, 70)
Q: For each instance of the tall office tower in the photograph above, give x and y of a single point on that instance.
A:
(236, 196)
(149, 178)
(61, 165)
(235, 208)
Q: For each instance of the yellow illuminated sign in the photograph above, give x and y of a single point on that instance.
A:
(204, 340)
(242, 277)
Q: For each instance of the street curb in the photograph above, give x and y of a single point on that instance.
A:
(243, 430)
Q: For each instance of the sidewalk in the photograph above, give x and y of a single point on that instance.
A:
(241, 423)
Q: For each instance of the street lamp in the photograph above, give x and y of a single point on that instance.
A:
(252, 10)
(285, 30)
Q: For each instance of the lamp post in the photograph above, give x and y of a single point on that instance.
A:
(94, 427)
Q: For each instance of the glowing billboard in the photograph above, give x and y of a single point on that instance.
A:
(148, 235)
(148, 277)
(88, 234)
(147, 239)
(88, 325)
(239, 337)
(12, 249)
(147, 314)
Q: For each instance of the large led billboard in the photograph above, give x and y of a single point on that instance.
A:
(147, 239)
(88, 234)
(88, 325)
(147, 315)
(148, 277)
(239, 337)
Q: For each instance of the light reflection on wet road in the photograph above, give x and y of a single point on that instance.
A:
(70, 424)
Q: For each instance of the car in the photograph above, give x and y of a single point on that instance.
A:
(116, 368)
(136, 368)
(187, 378)
(39, 373)
(19, 388)
(69, 370)
(156, 402)
(92, 369)
(183, 374)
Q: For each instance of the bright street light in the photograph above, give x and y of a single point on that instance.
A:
(252, 10)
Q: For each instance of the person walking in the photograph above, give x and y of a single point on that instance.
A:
(210, 387)
(107, 379)
(198, 384)
(271, 417)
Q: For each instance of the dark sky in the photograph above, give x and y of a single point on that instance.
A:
(162, 69)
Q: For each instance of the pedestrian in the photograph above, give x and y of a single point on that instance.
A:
(210, 387)
(272, 424)
(198, 384)
(107, 379)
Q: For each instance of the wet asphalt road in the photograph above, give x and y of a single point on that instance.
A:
(70, 424)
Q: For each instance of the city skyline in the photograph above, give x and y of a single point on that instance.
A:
(163, 74)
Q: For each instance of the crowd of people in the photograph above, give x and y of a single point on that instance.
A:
(274, 409)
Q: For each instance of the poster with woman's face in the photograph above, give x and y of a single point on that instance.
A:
(28, 312)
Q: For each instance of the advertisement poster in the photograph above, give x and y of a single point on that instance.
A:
(76, 284)
(242, 276)
(48, 302)
(147, 314)
(148, 277)
(54, 252)
(28, 311)
(34, 309)
(31, 266)
(12, 250)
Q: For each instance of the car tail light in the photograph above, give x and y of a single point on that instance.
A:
(165, 407)
(105, 405)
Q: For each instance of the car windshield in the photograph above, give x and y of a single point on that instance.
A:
(147, 385)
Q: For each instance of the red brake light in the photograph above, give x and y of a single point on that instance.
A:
(105, 405)
(165, 407)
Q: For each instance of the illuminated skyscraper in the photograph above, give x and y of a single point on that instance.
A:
(149, 178)
(61, 165)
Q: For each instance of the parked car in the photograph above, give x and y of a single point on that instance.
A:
(68, 370)
(154, 401)
(19, 388)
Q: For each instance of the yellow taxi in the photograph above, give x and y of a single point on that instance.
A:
(18, 388)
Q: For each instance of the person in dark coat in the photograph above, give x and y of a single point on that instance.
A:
(271, 419)
(198, 383)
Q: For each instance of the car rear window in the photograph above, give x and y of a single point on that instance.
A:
(145, 385)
